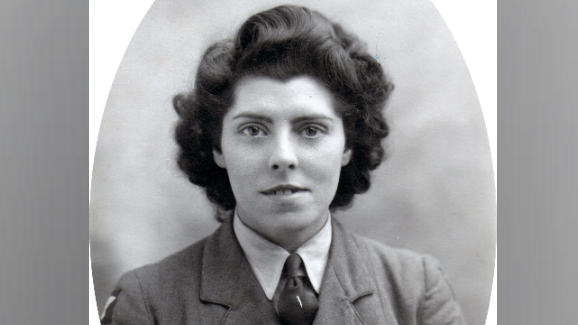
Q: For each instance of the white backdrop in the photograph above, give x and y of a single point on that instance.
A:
(112, 26)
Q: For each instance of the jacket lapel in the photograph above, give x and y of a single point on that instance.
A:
(228, 286)
(348, 294)
(232, 294)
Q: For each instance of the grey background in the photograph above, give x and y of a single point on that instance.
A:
(434, 194)
(43, 237)
(43, 141)
(537, 159)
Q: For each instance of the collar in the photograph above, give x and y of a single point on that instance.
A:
(267, 259)
(347, 294)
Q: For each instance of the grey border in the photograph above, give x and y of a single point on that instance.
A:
(43, 110)
(43, 138)
(103, 295)
(537, 158)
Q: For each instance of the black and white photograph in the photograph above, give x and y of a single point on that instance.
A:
(293, 162)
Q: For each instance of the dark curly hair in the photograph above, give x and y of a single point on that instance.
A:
(283, 43)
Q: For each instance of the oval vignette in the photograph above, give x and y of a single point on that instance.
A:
(433, 194)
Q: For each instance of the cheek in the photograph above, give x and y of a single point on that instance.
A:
(326, 164)
(242, 163)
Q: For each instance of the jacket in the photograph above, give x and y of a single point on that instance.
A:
(211, 282)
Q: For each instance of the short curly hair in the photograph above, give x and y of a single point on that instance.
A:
(283, 43)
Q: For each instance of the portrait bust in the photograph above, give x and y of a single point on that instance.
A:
(432, 194)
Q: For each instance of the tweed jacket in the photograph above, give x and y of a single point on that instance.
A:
(211, 282)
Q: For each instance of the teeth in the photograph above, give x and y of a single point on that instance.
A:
(283, 192)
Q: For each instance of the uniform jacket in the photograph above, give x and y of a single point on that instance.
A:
(211, 282)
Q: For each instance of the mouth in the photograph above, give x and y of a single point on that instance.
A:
(284, 190)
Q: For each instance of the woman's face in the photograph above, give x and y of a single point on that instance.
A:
(283, 146)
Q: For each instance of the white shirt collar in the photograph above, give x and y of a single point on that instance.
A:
(267, 259)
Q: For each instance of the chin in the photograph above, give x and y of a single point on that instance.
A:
(295, 221)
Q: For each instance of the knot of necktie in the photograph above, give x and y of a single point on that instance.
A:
(297, 304)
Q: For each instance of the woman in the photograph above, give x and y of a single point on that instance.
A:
(283, 126)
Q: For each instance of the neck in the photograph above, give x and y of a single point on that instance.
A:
(288, 239)
(295, 240)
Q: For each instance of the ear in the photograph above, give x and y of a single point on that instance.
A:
(219, 158)
(346, 157)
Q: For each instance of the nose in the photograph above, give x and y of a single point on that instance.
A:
(283, 155)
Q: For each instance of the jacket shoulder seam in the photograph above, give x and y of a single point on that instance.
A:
(147, 308)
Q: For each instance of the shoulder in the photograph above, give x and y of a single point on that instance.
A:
(178, 266)
(158, 287)
(411, 281)
(398, 266)
(408, 281)
(397, 261)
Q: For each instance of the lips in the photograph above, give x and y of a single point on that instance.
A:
(283, 190)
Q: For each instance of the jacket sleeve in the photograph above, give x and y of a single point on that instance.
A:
(439, 306)
(127, 305)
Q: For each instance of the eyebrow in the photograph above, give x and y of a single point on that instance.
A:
(312, 117)
(253, 117)
(296, 120)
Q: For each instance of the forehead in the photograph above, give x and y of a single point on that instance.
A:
(299, 95)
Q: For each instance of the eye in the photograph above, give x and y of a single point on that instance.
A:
(311, 131)
(253, 131)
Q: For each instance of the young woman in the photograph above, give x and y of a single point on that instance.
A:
(283, 126)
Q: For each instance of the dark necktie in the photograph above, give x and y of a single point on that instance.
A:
(297, 304)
